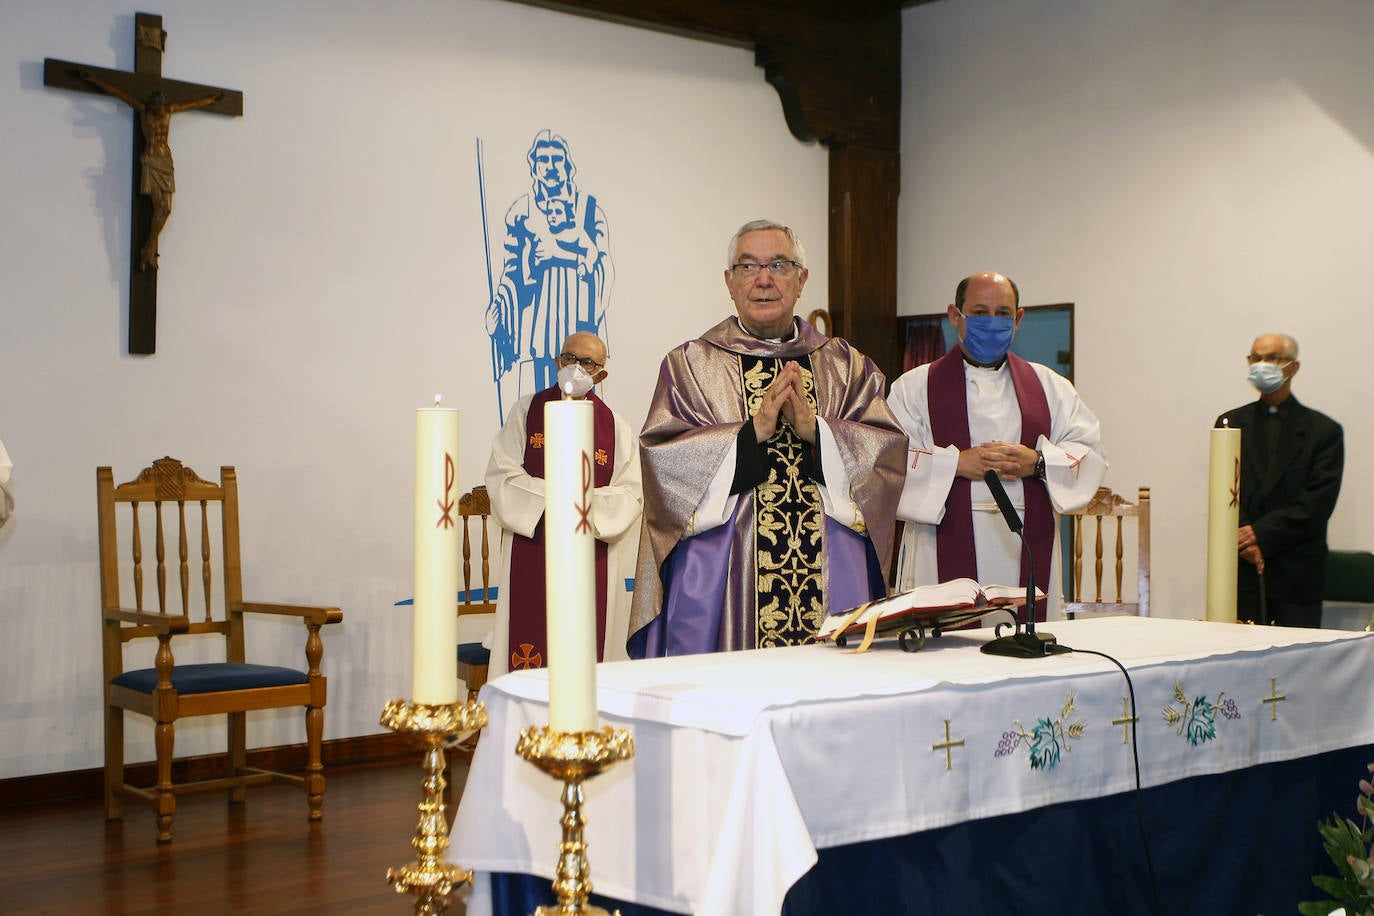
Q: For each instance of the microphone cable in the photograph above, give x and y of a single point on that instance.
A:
(999, 494)
(1135, 756)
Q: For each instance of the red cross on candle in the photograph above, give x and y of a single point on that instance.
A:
(446, 504)
(584, 508)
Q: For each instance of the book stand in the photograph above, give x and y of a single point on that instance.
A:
(911, 629)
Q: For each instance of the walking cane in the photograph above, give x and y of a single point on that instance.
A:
(1264, 599)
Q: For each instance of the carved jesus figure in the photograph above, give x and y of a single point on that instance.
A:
(158, 180)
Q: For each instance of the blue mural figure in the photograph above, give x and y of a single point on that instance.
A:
(556, 276)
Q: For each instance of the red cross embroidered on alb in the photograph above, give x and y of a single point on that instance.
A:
(1075, 463)
(916, 454)
(526, 657)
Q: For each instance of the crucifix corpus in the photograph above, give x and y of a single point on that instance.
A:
(154, 100)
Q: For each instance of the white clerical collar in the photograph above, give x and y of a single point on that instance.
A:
(791, 336)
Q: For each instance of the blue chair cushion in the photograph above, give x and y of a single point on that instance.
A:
(214, 677)
(473, 653)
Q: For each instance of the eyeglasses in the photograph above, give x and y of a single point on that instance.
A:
(586, 362)
(1276, 360)
(750, 269)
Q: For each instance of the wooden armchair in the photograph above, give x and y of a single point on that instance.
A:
(167, 692)
(473, 658)
(1103, 506)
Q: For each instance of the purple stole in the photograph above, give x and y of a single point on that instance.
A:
(947, 396)
(528, 592)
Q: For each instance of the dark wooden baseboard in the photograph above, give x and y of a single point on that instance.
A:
(74, 784)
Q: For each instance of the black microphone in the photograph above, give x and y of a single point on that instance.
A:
(999, 493)
(1020, 643)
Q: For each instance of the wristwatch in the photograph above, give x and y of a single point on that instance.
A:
(1039, 466)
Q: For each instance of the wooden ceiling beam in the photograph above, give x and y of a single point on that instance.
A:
(836, 67)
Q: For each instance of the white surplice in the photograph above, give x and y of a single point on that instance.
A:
(517, 504)
(1074, 467)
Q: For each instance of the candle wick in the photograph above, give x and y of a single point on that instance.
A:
(437, 399)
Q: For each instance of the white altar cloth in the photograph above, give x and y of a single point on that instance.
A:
(747, 763)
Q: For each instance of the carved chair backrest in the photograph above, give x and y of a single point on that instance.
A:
(820, 320)
(475, 510)
(1104, 506)
(171, 506)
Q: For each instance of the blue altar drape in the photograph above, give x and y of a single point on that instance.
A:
(1241, 842)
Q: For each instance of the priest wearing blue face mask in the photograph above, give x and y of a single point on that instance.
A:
(980, 408)
(1290, 473)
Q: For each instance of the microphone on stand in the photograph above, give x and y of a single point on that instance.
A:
(1021, 643)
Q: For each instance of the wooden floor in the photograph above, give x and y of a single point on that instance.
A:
(260, 857)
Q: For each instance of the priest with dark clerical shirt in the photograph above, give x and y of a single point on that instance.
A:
(772, 468)
(980, 408)
(515, 483)
(1292, 460)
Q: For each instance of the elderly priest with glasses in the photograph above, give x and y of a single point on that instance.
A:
(772, 468)
(515, 483)
(1292, 459)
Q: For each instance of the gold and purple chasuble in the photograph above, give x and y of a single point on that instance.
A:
(769, 574)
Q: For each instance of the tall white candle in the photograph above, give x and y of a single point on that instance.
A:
(1223, 523)
(436, 556)
(570, 570)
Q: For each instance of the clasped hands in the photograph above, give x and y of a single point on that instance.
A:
(1011, 461)
(784, 398)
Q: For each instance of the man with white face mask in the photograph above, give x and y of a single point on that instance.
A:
(977, 409)
(1290, 474)
(515, 483)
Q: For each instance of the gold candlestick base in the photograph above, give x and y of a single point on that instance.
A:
(573, 757)
(434, 728)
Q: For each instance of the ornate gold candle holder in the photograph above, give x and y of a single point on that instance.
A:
(434, 728)
(573, 757)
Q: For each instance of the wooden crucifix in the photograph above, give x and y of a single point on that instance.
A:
(154, 100)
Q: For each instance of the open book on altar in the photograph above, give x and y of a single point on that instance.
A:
(946, 603)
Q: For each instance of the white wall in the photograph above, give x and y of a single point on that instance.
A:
(1190, 175)
(322, 275)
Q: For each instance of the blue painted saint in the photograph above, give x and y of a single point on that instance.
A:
(556, 276)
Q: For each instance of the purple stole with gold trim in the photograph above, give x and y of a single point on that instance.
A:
(528, 591)
(947, 394)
